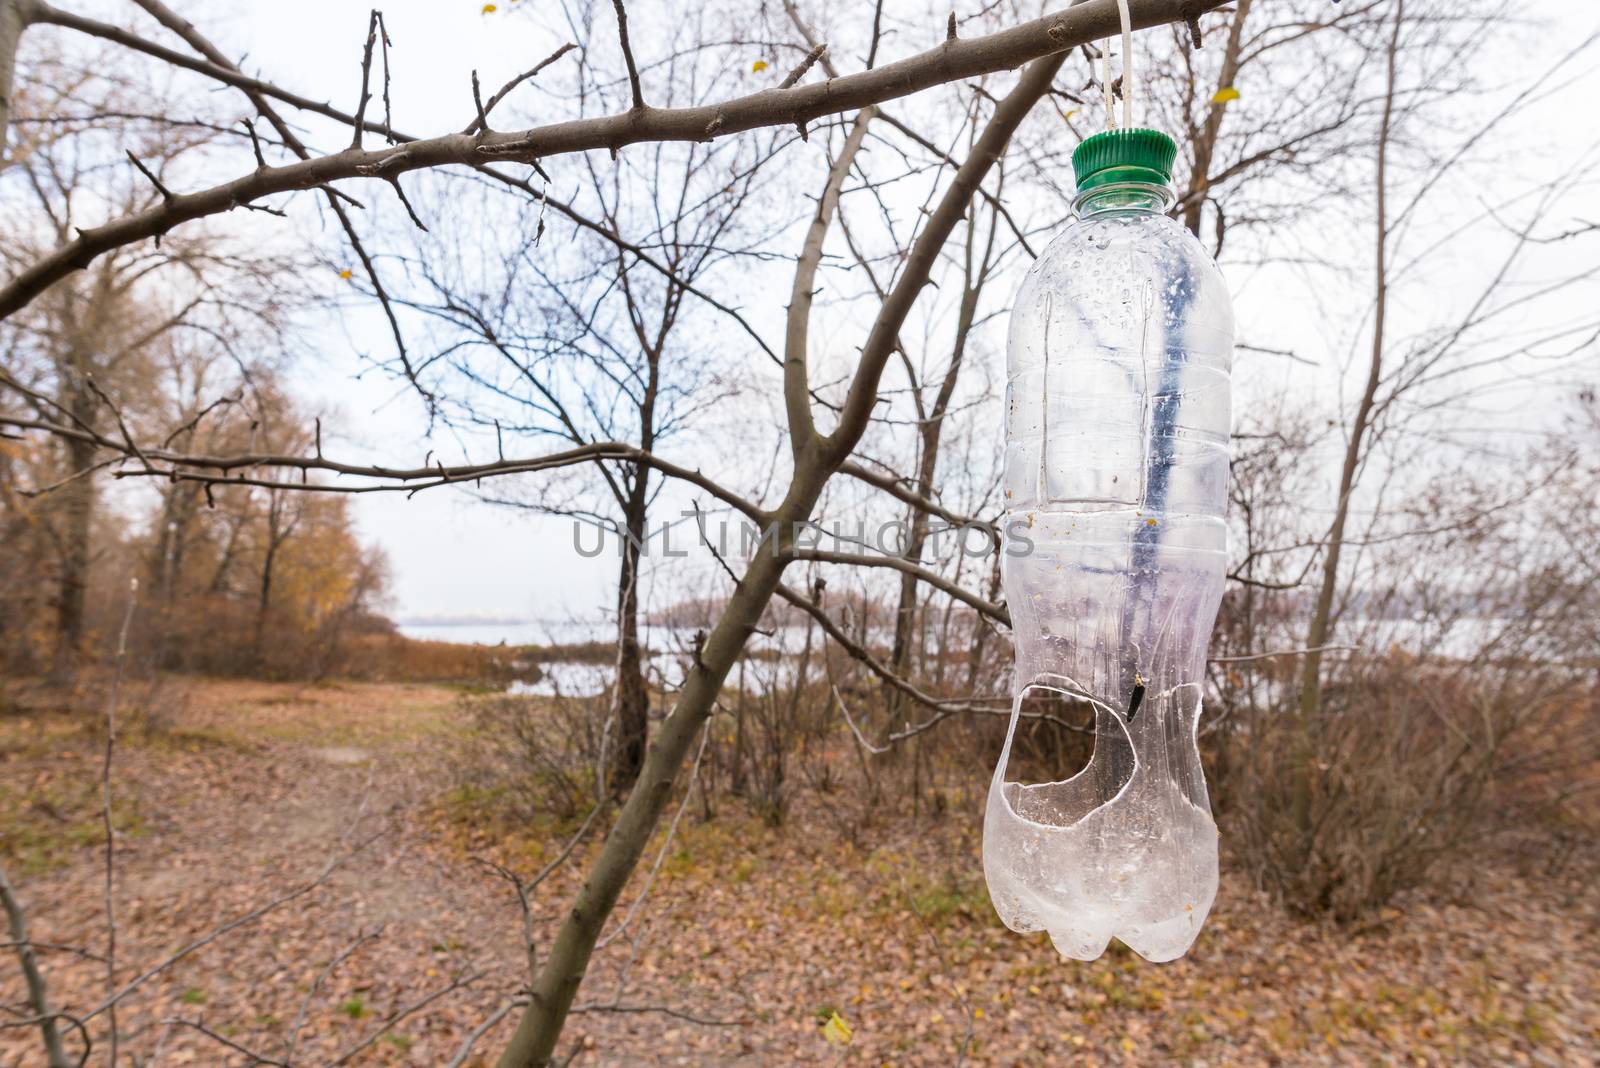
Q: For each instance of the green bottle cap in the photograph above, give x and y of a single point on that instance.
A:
(1124, 156)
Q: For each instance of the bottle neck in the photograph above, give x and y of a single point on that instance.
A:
(1123, 198)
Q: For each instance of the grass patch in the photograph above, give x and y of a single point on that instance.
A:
(474, 819)
(47, 824)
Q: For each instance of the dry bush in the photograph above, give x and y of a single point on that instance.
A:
(1459, 714)
(1412, 764)
(392, 657)
(545, 755)
(771, 723)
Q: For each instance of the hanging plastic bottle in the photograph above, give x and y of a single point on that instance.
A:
(1116, 482)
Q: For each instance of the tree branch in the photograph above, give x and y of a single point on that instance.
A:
(996, 612)
(538, 1032)
(38, 993)
(627, 55)
(949, 61)
(228, 470)
(796, 388)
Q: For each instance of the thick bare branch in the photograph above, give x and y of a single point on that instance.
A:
(949, 61)
(229, 470)
(996, 612)
(796, 389)
(38, 992)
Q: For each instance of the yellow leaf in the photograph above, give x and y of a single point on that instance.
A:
(489, 9)
(758, 66)
(977, 1014)
(345, 274)
(1128, 1044)
(837, 1031)
(1223, 95)
(1067, 115)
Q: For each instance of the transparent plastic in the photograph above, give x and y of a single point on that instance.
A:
(1116, 482)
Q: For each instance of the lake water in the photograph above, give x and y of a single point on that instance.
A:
(496, 632)
(667, 658)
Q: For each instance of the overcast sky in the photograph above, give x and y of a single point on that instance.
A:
(454, 557)
(450, 555)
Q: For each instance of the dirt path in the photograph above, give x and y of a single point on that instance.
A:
(749, 940)
(247, 795)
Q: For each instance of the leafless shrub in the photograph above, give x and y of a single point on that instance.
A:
(1464, 713)
(1411, 767)
(773, 722)
(543, 753)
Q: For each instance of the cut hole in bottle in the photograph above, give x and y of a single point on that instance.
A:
(1068, 755)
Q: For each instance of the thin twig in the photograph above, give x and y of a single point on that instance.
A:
(409, 1010)
(482, 121)
(360, 122)
(465, 1049)
(400, 192)
(335, 861)
(305, 1005)
(806, 64)
(255, 1058)
(105, 816)
(627, 55)
(122, 424)
(56, 947)
(166, 194)
(388, 114)
(481, 125)
(677, 1014)
(938, 949)
(255, 144)
(525, 887)
(1244, 658)
(666, 843)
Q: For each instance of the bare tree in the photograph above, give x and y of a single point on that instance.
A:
(1418, 45)
(597, 341)
(815, 454)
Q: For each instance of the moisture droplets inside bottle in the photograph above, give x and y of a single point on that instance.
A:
(1116, 480)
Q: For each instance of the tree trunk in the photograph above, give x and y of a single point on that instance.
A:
(264, 590)
(264, 601)
(816, 458)
(14, 18)
(1309, 712)
(906, 631)
(77, 507)
(632, 702)
(535, 1039)
(1205, 139)
(981, 627)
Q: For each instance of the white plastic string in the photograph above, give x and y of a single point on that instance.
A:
(1105, 83)
(1127, 72)
(1127, 64)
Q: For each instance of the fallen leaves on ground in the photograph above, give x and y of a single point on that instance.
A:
(869, 940)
